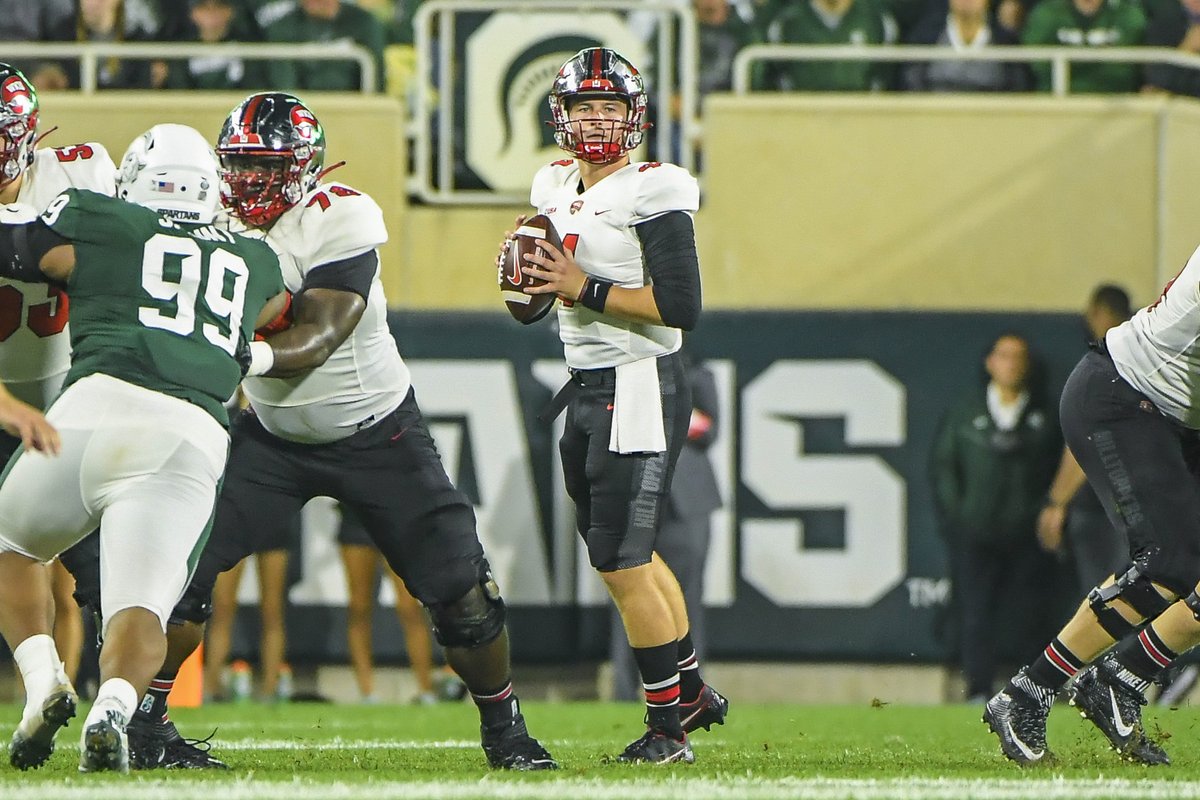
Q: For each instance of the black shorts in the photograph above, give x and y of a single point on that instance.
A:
(1143, 466)
(389, 476)
(351, 531)
(619, 499)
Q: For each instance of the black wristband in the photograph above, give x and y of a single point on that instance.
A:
(594, 294)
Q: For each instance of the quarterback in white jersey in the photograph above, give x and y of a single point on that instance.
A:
(599, 226)
(629, 278)
(332, 413)
(1130, 414)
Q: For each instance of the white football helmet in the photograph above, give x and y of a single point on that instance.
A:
(173, 170)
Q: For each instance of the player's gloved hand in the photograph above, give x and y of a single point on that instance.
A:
(243, 355)
(281, 321)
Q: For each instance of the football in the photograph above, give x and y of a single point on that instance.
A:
(526, 308)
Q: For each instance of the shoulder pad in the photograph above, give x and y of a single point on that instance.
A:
(337, 222)
(662, 188)
(548, 178)
(85, 166)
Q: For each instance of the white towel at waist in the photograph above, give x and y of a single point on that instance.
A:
(637, 425)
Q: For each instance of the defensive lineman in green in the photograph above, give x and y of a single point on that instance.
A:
(162, 305)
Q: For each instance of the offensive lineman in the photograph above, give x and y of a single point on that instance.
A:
(155, 353)
(350, 428)
(1130, 412)
(628, 402)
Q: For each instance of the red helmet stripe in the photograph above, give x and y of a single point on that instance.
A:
(597, 63)
(248, 114)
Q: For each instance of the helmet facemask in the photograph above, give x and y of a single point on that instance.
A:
(598, 75)
(258, 187)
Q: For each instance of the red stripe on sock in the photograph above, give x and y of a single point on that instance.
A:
(1152, 650)
(664, 696)
(1060, 662)
(164, 686)
(503, 694)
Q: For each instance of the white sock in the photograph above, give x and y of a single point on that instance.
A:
(41, 668)
(115, 694)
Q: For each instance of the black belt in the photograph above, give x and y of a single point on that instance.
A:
(579, 378)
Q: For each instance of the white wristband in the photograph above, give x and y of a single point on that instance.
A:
(262, 358)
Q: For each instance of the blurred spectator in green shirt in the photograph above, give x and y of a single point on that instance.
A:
(325, 21)
(1088, 23)
(214, 21)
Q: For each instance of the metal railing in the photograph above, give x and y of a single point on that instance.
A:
(89, 55)
(1060, 58)
(432, 177)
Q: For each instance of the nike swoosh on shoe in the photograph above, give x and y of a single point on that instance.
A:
(1122, 729)
(1026, 750)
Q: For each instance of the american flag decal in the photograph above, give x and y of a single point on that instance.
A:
(167, 187)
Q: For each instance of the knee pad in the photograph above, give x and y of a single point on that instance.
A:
(194, 606)
(1192, 601)
(1137, 590)
(473, 620)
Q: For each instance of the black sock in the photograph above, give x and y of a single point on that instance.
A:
(1054, 667)
(1145, 655)
(153, 707)
(660, 680)
(497, 709)
(690, 682)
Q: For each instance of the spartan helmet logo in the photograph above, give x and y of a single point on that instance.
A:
(578, 204)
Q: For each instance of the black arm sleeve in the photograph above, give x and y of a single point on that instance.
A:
(669, 253)
(354, 274)
(22, 247)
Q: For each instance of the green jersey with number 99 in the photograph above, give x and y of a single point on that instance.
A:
(157, 303)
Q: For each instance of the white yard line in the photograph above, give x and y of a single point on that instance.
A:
(677, 787)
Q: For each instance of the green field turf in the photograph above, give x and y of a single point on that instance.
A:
(310, 752)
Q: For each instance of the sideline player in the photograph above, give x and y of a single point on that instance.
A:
(155, 353)
(628, 401)
(1130, 413)
(350, 428)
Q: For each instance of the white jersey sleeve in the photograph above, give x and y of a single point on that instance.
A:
(548, 180)
(663, 188)
(35, 357)
(365, 378)
(337, 222)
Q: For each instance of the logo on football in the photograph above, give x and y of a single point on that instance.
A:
(527, 308)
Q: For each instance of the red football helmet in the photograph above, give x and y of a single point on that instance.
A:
(598, 72)
(18, 123)
(272, 149)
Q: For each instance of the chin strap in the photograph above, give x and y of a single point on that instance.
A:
(321, 175)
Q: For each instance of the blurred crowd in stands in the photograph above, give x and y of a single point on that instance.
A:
(385, 28)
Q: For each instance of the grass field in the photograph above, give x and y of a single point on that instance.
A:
(314, 752)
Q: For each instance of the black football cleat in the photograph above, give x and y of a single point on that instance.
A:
(657, 747)
(1019, 720)
(1116, 709)
(708, 709)
(104, 747)
(158, 745)
(33, 740)
(511, 747)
